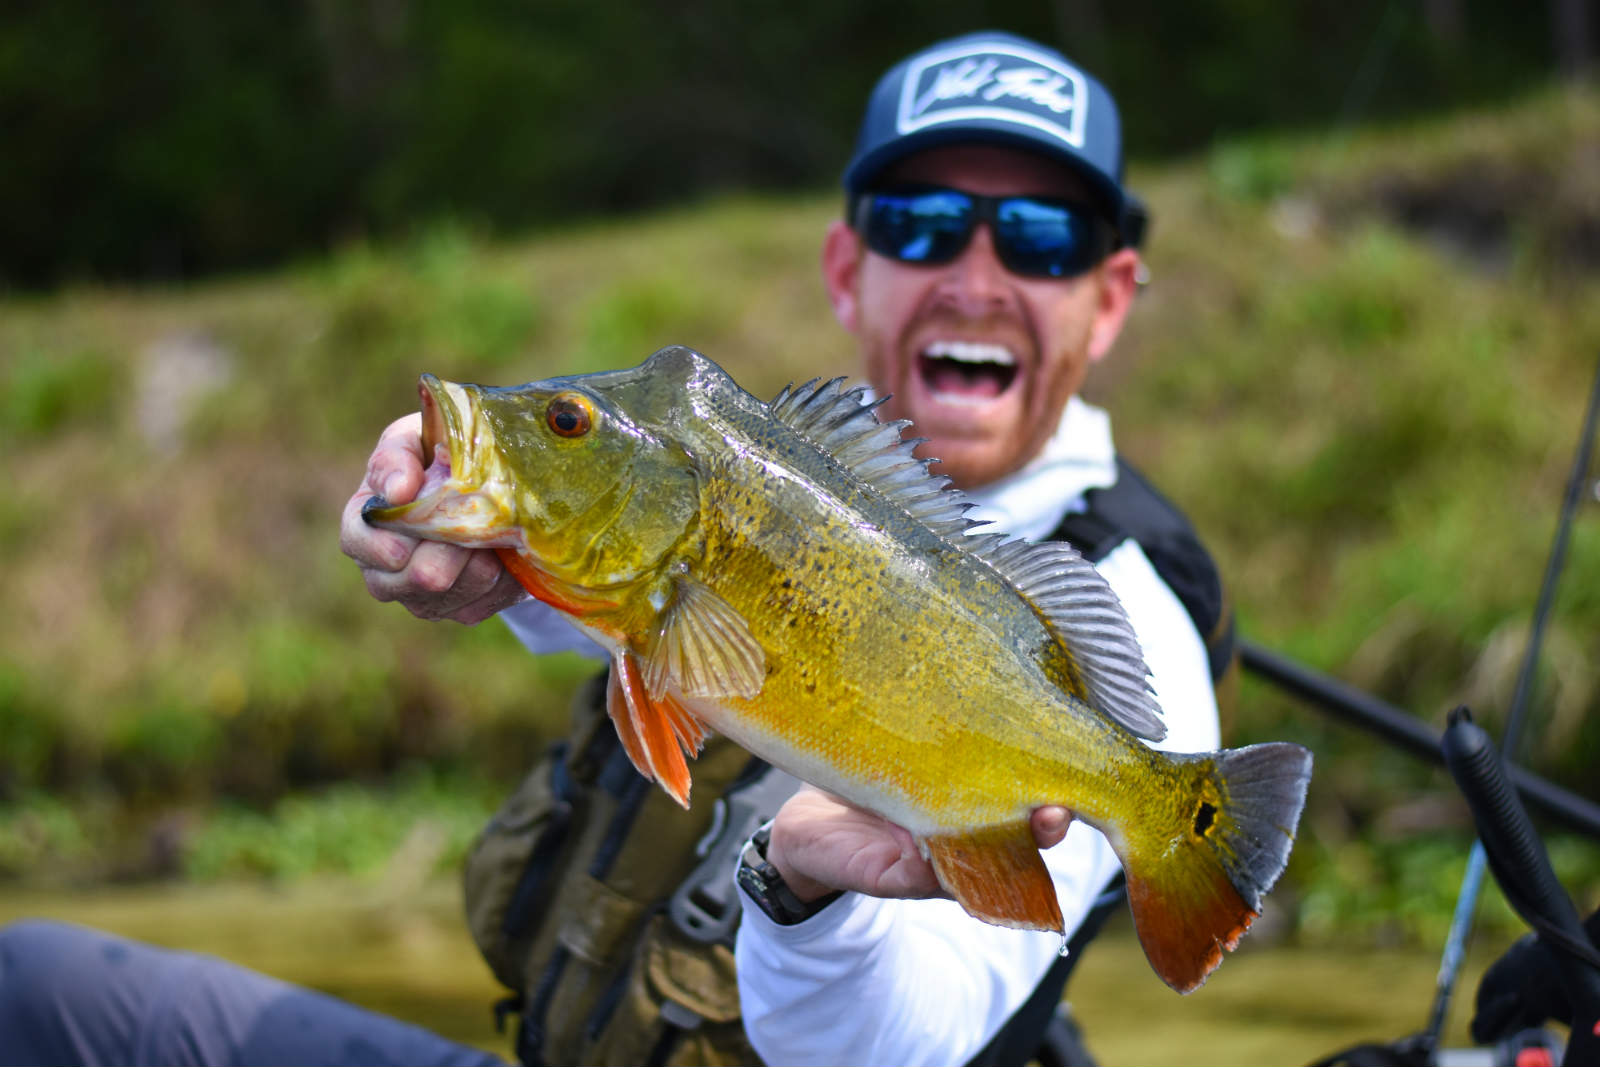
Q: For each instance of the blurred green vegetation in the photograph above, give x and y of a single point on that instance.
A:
(1360, 365)
(179, 138)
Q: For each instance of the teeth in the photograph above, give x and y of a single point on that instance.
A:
(971, 352)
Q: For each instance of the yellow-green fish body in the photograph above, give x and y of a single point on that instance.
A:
(790, 575)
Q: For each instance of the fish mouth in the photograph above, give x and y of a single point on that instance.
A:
(966, 373)
(447, 507)
(436, 431)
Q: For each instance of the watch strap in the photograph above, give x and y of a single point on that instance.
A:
(763, 884)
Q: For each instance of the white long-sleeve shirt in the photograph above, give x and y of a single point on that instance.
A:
(873, 981)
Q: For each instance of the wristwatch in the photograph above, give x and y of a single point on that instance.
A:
(763, 884)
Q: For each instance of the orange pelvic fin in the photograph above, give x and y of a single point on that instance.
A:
(656, 732)
(623, 719)
(997, 875)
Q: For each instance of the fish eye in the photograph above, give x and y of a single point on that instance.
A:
(569, 415)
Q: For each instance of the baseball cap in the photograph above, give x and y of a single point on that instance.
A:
(993, 88)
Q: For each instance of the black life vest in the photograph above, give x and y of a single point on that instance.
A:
(1133, 509)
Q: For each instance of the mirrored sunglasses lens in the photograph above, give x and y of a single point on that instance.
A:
(931, 227)
(1044, 240)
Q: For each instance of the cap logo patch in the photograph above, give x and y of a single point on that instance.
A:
(997, 83)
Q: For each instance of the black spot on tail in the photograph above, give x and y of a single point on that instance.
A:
(1205, 818)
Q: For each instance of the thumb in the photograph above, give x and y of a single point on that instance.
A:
(394, 470)
(1050, 825)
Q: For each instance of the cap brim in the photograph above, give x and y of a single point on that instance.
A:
(864, 170)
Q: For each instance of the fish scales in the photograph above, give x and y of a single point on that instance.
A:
(788, 575)
(817, 543)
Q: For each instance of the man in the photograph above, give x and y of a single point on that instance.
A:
(982, 335)
(983, 265)
(980, 268)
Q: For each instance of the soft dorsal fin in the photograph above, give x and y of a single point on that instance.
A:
(704, 647)
(844, 424)
(1087, 619)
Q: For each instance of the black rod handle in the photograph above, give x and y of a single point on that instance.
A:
(1519, 861)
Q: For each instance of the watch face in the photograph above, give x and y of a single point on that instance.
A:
(753, 877)
(764, 885)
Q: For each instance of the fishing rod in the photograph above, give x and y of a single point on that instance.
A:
(1404, 730)
(1472, 882)
(1521, 866)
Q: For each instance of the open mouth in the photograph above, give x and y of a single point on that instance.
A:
(451, 505)
(436, 473)
(438, 413)
(435, 433)
(435, 436)
(966, 372)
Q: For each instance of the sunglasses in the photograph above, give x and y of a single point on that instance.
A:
(1034, 237)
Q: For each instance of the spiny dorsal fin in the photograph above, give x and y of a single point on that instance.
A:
(705, 647)
(1086, 617)
(845, 425)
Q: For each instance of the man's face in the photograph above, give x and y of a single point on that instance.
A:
(981, 360)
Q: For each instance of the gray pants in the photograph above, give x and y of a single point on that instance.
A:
(69, 995)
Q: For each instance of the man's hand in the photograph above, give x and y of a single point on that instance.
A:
(433, 580)
(820, 843)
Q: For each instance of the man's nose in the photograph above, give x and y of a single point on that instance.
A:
(976, 281)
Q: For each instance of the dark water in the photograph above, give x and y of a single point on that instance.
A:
(412, 957)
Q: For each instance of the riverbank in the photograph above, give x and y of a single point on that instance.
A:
(410, 955)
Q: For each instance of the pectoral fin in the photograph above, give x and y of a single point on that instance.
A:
(704, 647)
(656, 732)
(997, 874)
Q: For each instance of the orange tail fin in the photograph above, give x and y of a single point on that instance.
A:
(1195, 890)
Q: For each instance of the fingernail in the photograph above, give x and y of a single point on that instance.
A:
(393, 484)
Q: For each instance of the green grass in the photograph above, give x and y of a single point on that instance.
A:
(1368, 415)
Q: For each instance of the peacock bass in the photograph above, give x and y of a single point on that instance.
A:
(792, 576)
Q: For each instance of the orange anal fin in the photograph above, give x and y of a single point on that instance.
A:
(997, 875)
(647, 729)
(1186, 921)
